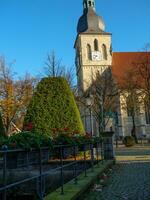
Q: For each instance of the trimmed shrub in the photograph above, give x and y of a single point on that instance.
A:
(128, 141)
(2, 130)
(26, 140)
(53, 108)
(63, 139)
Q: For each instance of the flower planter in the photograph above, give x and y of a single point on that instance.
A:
(16, 159)
(67, 151)
(24, 158)
(84, 147)
(12, 160)
(97, 145)
(33, 156)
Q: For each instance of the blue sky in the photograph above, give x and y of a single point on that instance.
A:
(29, 29)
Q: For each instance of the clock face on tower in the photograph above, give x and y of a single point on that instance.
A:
(96, 56)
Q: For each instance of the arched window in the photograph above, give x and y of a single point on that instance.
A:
(89, 56)
(147, 114)
(96, 45)
(129, 106)
(90, 4)
(104, 50)
(85, 5)
(132, 104)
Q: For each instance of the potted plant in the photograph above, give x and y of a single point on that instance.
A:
(83, 141)
(30, 142)
(66, 142)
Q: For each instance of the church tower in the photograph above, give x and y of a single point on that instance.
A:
(92, 45)
(93, 56)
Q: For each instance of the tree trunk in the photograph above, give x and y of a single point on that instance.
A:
(133, 131)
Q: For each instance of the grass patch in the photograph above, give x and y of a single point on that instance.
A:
(74, 191)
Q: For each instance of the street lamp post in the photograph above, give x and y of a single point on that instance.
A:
(102, 115)
(89, 103)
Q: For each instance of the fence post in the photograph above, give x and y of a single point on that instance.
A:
(4, 148)
(85, 167)
(97, 153)
(102, 152)
(40, 173)
(92, 156)
(75, 166)
(62, 174)
(108, 145)
(27, 158)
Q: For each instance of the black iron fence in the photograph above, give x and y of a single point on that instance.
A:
(45, 162)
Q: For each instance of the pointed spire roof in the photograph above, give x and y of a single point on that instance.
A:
(90, 22)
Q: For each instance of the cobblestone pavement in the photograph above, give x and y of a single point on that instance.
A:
(129, 180)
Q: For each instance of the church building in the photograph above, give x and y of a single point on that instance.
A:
(93, 46)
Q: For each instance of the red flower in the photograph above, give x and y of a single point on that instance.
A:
(28, 127)
(13, 145)
(88, 134)
(54, 130)
(66, 129)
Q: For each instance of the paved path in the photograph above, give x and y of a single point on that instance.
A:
(129, 180)
(136, 153)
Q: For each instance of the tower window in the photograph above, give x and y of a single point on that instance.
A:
(85, 4)
(96, 45)
(104, 50)
(90, 4)
(89, 52)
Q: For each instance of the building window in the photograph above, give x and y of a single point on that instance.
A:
(147, 114)
(129, 106)
(90, 3)
(96, 45)
(89, 54)
(104, 50)
(129, 112)
(132, 105)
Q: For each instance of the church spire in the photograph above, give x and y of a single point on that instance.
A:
(88, 4)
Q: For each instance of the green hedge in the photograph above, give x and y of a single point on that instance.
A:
(53, 108)
(26, 140)
(29, 140)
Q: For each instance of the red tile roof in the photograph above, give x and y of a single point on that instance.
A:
(122, 62)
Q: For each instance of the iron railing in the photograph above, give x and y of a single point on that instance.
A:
(39, 157)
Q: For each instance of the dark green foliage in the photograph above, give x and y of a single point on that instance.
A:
(97, 139)
(3, 141)
(64, 139)
(27, 140)
(83, 139)
(53, 107)
(128, 141)
(2, 130)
